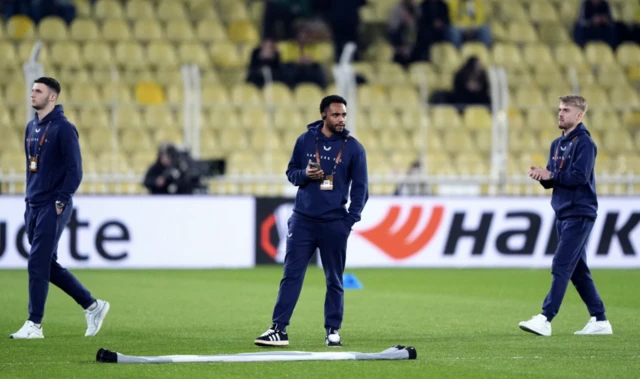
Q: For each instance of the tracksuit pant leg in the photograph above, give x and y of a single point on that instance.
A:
(333, 253)
(302, 241)
(44, 228)
(569, 263)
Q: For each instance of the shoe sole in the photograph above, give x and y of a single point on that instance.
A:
(107, 306)
(606, 333)
(334, 345)
(11, 337)
(271, 343)
(532, 331)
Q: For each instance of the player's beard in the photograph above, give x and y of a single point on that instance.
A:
(334, 128)
(39, 106)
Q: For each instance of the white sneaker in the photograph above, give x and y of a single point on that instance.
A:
(537, 325)
(594, 327)
(29, 330)
(95, 317)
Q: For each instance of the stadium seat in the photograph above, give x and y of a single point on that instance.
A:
(445, 117)
(66, 55)
(477, 117)
(542, 11)
(254, 118)
(372, 95)
(171, 135)
(287, 118)
(553, 34)
(445, 57)
(246, 94)
(624, 97)
(628, 54)
(149, 93)
(193, 53)
(133, 140)
(179, 30)
(477, 49)
(225, 55)
(84, 29)
(511, 11)
(599, 54)
(139, 10)
(147, 30)
(521, 32)
(277, 94)
(243, 31)
(390, 73)
(306, 95)
(20, 28)
(162, 54)
(8, 54)
(171, 10)
(52, 29)
(507, 55)
(108, 9)
(538, 54)
(403, 97)
(115, 30)
(383, 119)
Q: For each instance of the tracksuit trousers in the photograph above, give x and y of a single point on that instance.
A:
(44, 228)
(303, 237)
(570, 263)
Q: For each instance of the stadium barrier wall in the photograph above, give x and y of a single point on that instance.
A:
(462, 232)
(139, 232)
(240, 232)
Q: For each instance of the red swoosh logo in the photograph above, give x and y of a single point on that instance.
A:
(395, 245)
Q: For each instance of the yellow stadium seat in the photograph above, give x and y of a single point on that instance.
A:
(193, 53)
(368, 139)
(512, 11)
(599, 54)
(170, 135)
(519, 77)
(515, 119)
(569, 11)
(139, 10)
(234, 11)
(108, 9)
(553, 34)
(129, 118)
(117, 93)
(215, 95)
(286, 118)
(20, 27)
(306, 94)
(134, 140)
(628, 54)
(413, 119)
(371, 95)
(379, 52)
(631, 120)
(445, 117)
(209, 142)
(277, 94)
(393, 140)
(549, 76)
(403, 97)
(233, 140)
(624, 97)
(265, 139)
(8, 54)
(149, 93)
(171, 10)
(610, 76)
(67, 55)
(422, 73)
(523, 141)
(540, 119)
(477, 49)
(115, 30)
(542, 11)
(477, 117)
(210, 31)
(521, 32)
(162, 54)
(83, 93)
(569, 55)
(225, 55)
(157, 116)
(52, 29)
(456, 141)
(130, 55)
(93, 118)
(179, 30)
(84, 29)
(100, 140)
(147, 30)
(595, 96)
(538, 54)
(524, 98)
(254, 118)
(390, 73)
(507, 55)
(619, 142)
(243, 31)
(246, 94)
(6, 119)
(383, 119)
(604, 120)
(445, 57)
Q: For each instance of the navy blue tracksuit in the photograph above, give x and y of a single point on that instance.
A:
(321, 220)
(574, 200)
(58, 175)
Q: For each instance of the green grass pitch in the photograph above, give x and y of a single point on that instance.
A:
(463, 323)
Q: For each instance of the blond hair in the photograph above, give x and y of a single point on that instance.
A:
(575, 100)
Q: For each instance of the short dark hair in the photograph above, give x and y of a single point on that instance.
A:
(324, 104)
(49, 82)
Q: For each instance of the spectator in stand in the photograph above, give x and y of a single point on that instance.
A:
(470, 84)
(595, 23)
(469, 22)
(284, 12)
(299, 65)
(265, 55)
(344, 19)
(433, 26)
(401, 30)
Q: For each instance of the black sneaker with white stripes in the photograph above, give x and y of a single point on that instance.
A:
(333, 338)
(273, 337)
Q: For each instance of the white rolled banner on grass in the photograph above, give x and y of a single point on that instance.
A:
(397, 352)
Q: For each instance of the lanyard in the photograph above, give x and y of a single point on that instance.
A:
(555, 157)
(39, 149)
(337, 157)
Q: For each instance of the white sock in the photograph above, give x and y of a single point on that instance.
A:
(93, 306)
